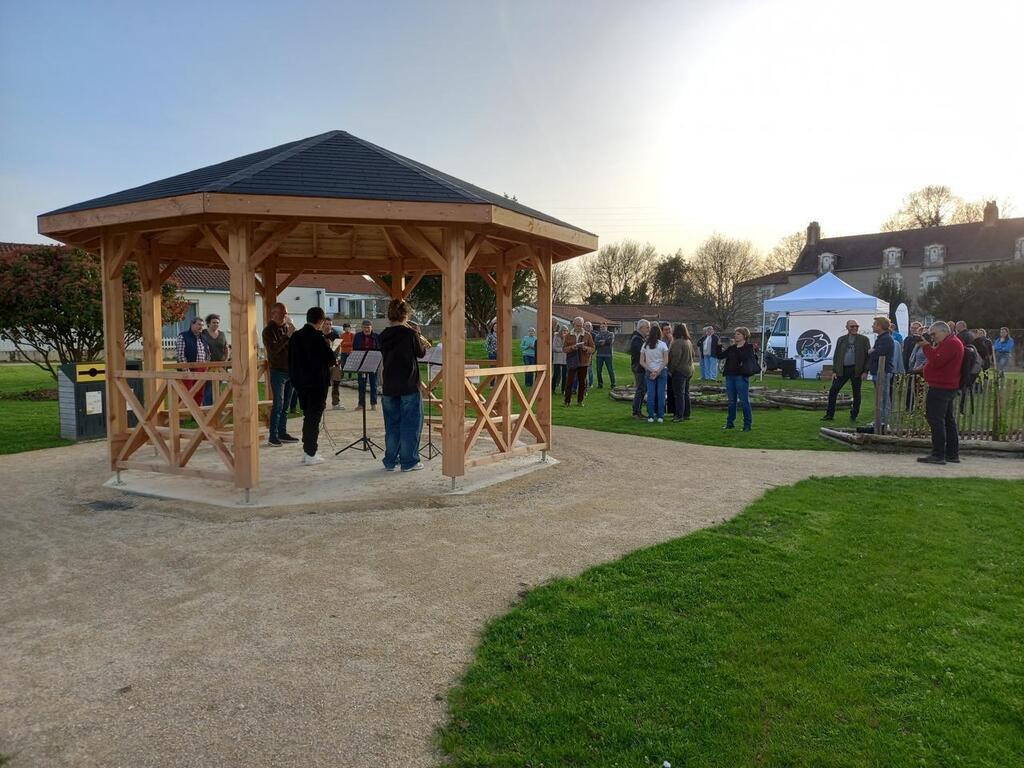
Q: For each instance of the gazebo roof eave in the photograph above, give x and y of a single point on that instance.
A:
(169, 212)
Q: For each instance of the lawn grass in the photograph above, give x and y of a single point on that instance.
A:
(28, 425)
(837, 622)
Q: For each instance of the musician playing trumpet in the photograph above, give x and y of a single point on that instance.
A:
(402, 346)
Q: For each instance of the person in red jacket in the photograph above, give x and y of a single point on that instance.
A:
(944, 353)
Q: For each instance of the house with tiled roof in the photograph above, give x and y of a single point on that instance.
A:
(620, 318)
(913, 258)
(353, 297)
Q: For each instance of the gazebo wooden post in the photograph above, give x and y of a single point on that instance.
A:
(453, 339)
(152, 327)
(542, 267)
(113, 338)
(268, 274)
(244, 334)
(503, 292)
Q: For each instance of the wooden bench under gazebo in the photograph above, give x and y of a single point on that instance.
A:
(332, 203)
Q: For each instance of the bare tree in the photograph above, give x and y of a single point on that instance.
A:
(565, 284)
(718, 264)
(783, 256)
(621, 272)
(934, 206)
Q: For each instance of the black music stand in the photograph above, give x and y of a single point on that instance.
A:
(365, 362)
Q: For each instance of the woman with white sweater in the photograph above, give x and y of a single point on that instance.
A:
(654, 361)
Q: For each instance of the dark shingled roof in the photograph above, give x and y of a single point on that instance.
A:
(772, 278)
(974, 241)
(333, 164)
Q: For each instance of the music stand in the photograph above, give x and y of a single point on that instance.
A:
(363, 361)
(433, 359)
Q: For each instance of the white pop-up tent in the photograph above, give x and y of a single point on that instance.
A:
(817, 314)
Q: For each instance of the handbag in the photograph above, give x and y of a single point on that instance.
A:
(335, 373)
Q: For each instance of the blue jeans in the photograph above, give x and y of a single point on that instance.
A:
(656, 394)
(529, 374)
(208, 393)
(886, 385)
(558, 376)
(738, 388)
(605, 362)
(709, 368)
(281, 388)
(362, 388)
(590, 374)
(403, 421)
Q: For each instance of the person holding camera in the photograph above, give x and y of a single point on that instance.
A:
(944, 353)
(310, 359)
(275, 341)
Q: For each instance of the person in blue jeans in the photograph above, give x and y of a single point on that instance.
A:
(740, 365)
(528, 346)
(402, 348)
(654, 361)
(605, 341)
(275, 341)
(365, 341)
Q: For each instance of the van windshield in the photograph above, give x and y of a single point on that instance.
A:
(781, 327)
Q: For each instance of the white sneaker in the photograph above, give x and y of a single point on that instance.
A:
(415, 468)
(650, 421)
(310, 461)
(661, 421)
(338, 407)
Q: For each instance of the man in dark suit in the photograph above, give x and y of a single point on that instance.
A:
(849, 364)
(310, 358)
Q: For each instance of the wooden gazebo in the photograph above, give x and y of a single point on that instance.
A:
(332, 203)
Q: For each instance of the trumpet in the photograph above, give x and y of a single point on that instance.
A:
(427, 344)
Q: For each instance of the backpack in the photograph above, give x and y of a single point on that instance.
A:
(970, 367)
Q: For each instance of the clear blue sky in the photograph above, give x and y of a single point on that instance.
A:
(661, 120)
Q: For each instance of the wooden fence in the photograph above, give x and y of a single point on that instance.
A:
(991, 410)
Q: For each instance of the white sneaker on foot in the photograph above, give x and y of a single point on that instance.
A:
(310, 461)
(661, 421)
(414, 468)
(338, 407)
(650, 421)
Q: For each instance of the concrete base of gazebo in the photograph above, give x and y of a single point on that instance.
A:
(352, 480)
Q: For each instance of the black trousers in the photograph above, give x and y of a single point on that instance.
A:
(837, 384)
(681, 393)
(313, 401)
(940, 411)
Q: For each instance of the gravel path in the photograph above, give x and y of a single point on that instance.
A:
(160, 635)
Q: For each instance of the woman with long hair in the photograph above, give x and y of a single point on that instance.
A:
(654, 361)
(740, 365)
(680, 370)
(670, 398)
(1003, 348)
(402, 347)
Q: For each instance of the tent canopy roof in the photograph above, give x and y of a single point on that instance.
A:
(826, 294)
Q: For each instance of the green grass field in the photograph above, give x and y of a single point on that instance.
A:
(837, 622)
(28, 425)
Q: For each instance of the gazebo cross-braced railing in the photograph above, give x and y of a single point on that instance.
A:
(329, 204)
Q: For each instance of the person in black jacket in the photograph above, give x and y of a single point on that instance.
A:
(740, 365)
(402, 348)
(636, 343)
(310, 358)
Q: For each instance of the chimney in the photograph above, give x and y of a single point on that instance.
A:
(991, 213)
(814, 232)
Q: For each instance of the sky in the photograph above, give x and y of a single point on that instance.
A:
(660, 121)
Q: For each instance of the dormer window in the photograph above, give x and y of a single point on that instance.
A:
(826, 263)
(933, 255)
(893, 257)
(1018, 252)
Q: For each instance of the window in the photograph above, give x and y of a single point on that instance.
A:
(927, 281)
(893, 257)
(933, 255)
(1018, 252)
(826, 263)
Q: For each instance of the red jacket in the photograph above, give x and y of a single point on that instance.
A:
(942, 370)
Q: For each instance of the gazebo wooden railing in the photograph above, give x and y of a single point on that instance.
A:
(330, 204)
